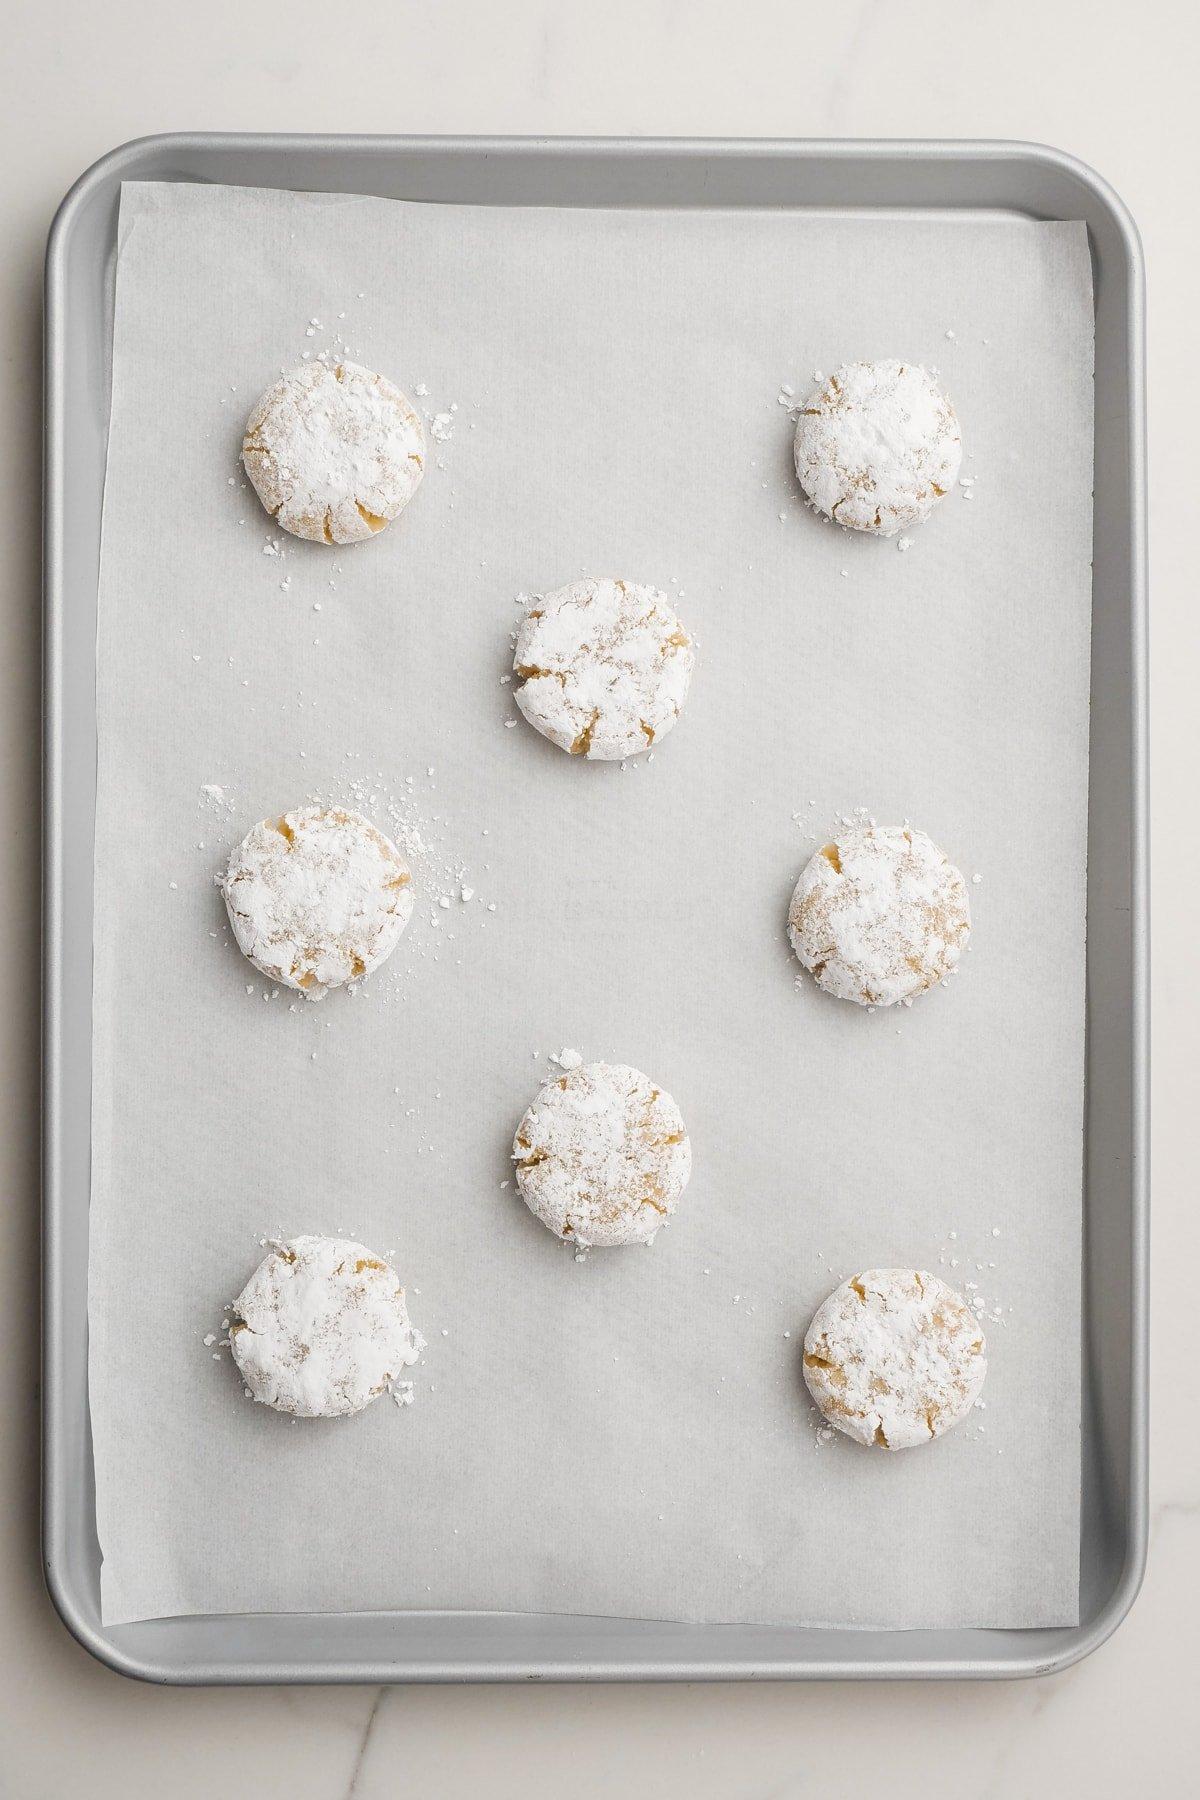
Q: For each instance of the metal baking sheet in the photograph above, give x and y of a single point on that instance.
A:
(618, 164)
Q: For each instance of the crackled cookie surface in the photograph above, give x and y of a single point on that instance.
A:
(878, 446)
(317, 897)
(894, 1357)
(321, 1328)
(602, 1155)
(604, 667)
(334, 451)
(879, 915)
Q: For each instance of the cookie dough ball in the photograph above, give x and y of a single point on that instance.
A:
(334, 452)
(605, 667)
(879, 915)
(321, 1328)
(894, 1357)
(878, 446)
(602, 1155)
(317, 898)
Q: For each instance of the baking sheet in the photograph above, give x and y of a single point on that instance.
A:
(629, 1435)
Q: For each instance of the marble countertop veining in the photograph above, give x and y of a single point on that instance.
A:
(1112, 84)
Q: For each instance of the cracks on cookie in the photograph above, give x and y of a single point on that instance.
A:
(583, 743)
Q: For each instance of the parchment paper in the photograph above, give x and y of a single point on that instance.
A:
(629, 1435)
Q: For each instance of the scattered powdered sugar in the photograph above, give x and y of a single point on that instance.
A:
(877, 446)
(894, 1357)
(822, 1430)
(321, 1328)
(955, 1257)
(602, 1155)
(879, 915)
(605, 667)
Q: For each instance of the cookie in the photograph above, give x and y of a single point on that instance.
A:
(334, 452)
(879, 915)
(602, 1156)
(604, 666)
(317, 898)
(321, 1328)
(894, 1357)
(878, 446)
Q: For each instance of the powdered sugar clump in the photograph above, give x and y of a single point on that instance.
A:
(215, 797)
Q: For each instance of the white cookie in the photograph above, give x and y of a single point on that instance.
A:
(317, 898)
(602, 1155)
(878, 446)
(879, 915)
(605, 667)
(894, 1357)
(321, 1328)
(334, 452)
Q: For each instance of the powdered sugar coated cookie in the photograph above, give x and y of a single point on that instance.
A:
(878, 446)
(321, 1328)
(605, 667)
(894, 1357)
(317, 898)
(334, 451)
(879, 915)
(602, 1156)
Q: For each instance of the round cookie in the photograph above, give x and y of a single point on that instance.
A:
(879, 915)
(317, 898)
(878, 446)
(602, 1155)
(321, 1328)
(894, 1357)
(605, 667)
(334, 452)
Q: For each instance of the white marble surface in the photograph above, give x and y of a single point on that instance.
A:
(1111, 83)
